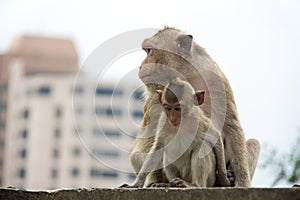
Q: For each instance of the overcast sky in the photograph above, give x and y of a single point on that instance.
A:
(256, 43)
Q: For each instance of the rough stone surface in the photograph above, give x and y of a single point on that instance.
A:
(144, 194)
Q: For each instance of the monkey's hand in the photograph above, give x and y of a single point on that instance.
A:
(230, 176)
(177, 182)
(159, 185)
(136, 184)
(125, 185)
(228, 181)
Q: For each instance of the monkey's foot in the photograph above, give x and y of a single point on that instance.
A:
(159, 185)
(125, 185)
(177, 182)
(231, 180)
(230, 176)
(296, 185)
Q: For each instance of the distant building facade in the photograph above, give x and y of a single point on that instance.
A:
(58, 128)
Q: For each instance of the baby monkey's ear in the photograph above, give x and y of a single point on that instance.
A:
(199, 97)
(159, 92)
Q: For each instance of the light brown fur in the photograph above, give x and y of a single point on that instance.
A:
(190, 149)
(172, 53)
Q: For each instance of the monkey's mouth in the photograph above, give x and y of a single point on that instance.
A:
(143, 76)
(175, 124)
(149, 79)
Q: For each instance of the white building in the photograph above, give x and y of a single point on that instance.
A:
(64, 130)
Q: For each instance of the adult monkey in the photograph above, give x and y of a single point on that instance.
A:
(170, 53)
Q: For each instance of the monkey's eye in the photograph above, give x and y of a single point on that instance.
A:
(167, 108)
(148, 50)
(178, 108)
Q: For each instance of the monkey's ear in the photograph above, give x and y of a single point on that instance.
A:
(199, 97)
(159, 92)
(184, 43)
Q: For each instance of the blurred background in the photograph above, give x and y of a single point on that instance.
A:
(49, 140)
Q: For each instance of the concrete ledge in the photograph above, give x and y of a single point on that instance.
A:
(157, 194)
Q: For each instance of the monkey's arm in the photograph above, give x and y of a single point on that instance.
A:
(218, 149)
(152, 162)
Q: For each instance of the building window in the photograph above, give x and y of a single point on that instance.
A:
(103, 173)
(2, 105)
(24, 133)
(55, 153)
(108, 112)
(54, 173)
(138, 114)
(2, 124)
(58, 112)
(111, 153)
(78, 89)
(108, 133)
(95, 172)
(132, 176)
(3, 88)
(22, 173)
(108, 91)
(112, 133)
(57, 132)
(134, 135)
(78, 110)
(44, 90)
(23, 153)
(76, 151)
(138, 95)
(25, 114)
(97, 131)
(75, 172)
(106, 153)
(110, 174)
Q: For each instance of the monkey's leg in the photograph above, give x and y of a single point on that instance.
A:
(156, 177)
(222, 173)
(253, 149)
(173, 176)
(137, 160)
(203, 166)
(169, 172)
(140, 150)
(237, 148)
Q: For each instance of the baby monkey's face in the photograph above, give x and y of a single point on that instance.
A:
(174, 112)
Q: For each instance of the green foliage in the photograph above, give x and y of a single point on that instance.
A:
(285, 166)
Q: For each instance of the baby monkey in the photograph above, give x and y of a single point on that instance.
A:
(188, 148)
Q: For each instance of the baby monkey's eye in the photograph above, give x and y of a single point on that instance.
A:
(178, 108)
(167, 108)
(148, 50)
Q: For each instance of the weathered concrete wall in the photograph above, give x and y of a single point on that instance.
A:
(157, 194)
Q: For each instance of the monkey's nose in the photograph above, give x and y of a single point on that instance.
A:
(175, 122)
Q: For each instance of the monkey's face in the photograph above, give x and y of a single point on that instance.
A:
(165, 60)
(156, 67)
(173, 112)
